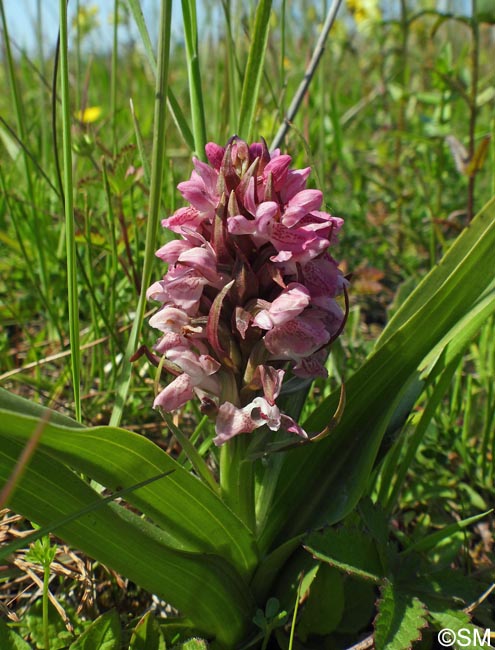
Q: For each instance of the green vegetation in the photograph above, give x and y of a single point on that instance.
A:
(384, 526)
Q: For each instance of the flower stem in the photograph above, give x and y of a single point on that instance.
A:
(237, 479)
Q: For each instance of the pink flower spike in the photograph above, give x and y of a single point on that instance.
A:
(176, 394)
(214, 153)
(171, 252)
(291, 426)
(231, 421)
(300, 205)
(271, 381)
(291, 302)
(184, 217)
(295, 182)
(169, 319)
(297, 338)
(278, 167)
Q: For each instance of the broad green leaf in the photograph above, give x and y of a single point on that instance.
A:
(203, 587)
(324, 607)
(194, 518)
(147, 634)
(321, 483)
(12, 402)
(400, 619)
(10, 640)
(103, 634)
(254, 68)
(467, 259)
(460, 622)
(347, 549)
(359, 608)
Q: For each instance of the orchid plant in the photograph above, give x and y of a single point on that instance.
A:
(250, 288)
(249, 296)
(251, 302)
(249, 309)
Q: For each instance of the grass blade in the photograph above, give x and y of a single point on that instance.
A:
(172, 103)
(194, 76)
(157, 165)
(254, 69)
(73, 299)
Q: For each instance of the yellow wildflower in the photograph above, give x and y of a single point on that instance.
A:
(89, 114)
(364, 11)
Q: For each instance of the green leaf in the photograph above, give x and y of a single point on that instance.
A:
(254, 69)
(485, 11)
(321, 483)
(430, 541)
(10, 640)
(59, 636)
(103, 634)
(359, 606)
(147, 635)
(133, 547)
(460, 622)
(347, 549)
(193, 517)
(324, 607)
(400, 619)
(192, 644)
(12, 402)
(173, 104)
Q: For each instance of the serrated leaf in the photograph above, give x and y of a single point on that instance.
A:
(400, 619)
(147, 635)
(349, 550)
(104, 633)
(458, 621)
(10, 640)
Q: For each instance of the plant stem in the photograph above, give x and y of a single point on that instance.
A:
(237, 479)
(157, 165)
(308, 75)
(46, 582)
(72, 293)
(113, 83)
(194, 77)
(401, 121)
(473, 109)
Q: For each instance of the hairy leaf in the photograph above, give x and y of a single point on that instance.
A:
(349, 550)
(400, 619)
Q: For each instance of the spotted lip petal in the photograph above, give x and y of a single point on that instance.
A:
(250, 289)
